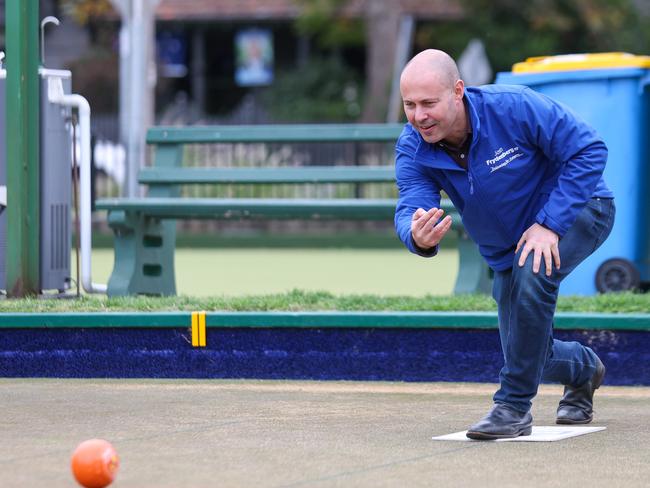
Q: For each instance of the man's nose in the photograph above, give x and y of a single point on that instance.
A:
(420, 113)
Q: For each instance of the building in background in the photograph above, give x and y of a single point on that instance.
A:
(212, 28)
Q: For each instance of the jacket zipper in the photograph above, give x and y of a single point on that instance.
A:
(501, 225)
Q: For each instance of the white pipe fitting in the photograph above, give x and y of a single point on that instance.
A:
(57, 95)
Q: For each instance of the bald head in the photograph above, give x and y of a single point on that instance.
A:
(433, 61)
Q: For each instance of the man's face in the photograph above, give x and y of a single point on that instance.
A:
(430, 104)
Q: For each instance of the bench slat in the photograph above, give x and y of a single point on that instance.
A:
(311, 174)
(256, 208)
(275, 133)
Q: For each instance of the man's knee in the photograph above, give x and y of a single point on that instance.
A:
(529, 283)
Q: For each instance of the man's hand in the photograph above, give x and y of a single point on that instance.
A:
(427, 232)
(544, 243)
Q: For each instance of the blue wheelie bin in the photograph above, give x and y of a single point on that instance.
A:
(610, 91)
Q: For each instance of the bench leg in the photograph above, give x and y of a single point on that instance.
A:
(144, 255)
(474, 275)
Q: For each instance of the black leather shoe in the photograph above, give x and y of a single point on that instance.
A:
(577, 404)
(503, 422)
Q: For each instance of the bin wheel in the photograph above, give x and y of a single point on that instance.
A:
(617, 274)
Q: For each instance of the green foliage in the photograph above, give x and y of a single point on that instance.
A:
(323, 90)
(513, 31)
(324, 21)
(298, 300)
(84, 11)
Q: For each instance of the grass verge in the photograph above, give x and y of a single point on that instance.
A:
(298, 300)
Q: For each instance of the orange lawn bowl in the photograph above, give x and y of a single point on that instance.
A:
(95, 463)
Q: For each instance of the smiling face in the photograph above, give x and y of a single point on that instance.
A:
(433, 98)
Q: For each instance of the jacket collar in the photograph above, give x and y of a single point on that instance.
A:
(472, 112)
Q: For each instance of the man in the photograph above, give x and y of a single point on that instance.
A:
(525, 173)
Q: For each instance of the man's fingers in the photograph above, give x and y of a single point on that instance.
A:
(428, 229)
(427, 220)
(537, 259)
(556, 256)
(419, 220)
(447, 221)
(548, 255)
(435, 214)
(424, 215)
(548, 261)
(524, 254)
(543, 243)
(520, 243)
(442, 227)
(438, 231)
(418, 213)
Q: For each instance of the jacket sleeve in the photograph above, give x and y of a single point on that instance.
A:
(416, 190)
(574, 147)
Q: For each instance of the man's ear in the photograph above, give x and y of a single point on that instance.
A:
(459, 89)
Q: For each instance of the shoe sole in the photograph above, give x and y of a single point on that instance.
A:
(573, 422)
(484, 436)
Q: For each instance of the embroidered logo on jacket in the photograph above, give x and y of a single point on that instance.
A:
(503, 158)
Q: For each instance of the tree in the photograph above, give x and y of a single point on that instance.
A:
(382, 29)
(330, 22)
(513, 30)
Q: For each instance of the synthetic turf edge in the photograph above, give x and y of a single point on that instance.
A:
(435, 320)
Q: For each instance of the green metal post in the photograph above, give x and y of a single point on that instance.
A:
(22, 113)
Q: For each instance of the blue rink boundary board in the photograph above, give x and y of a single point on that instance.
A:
(384, 346)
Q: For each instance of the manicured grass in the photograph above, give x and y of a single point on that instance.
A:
(205, 272)
(298, 300)
(309, 280)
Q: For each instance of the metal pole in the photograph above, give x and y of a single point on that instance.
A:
(136, 83)
(134, 120)
(22, 122)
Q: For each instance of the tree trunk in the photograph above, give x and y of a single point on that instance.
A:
(382, 29)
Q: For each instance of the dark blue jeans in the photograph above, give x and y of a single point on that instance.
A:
(526, 303)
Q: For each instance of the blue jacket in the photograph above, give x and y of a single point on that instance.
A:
(531, 160)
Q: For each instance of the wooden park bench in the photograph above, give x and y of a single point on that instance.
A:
(145, 228)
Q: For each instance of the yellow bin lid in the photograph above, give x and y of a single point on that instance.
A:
(572, 62)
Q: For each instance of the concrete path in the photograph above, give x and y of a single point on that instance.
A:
(183, 433)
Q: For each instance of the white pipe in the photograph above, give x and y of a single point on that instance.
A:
(3, 197)
(47, 20)
(56, 95)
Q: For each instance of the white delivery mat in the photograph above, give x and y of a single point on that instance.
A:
(539, 434)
